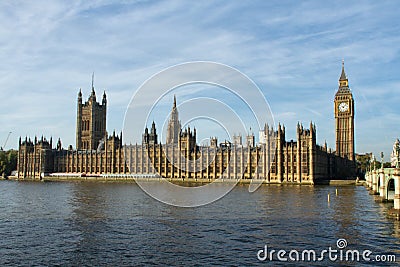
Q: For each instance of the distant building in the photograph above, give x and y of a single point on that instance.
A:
(274, 159)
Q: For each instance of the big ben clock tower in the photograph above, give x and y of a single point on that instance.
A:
(344, 118)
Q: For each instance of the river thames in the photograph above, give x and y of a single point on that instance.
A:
(117, 224)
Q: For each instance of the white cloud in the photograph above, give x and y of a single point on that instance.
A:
(291, 50)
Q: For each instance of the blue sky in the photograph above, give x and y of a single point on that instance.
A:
(291, 49)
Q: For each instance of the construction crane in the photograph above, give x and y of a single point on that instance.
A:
(5, 143)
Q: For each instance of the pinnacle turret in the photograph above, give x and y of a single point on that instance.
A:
(104, 101)
(174, 101)
(80, 96)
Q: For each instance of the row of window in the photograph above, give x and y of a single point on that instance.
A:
(98, 125)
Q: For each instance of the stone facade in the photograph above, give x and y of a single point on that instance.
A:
(90, 121)
(274, 159)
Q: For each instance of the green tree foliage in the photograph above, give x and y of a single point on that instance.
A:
(3, 162)
(8, 162)
(378, 165)
(364, 164)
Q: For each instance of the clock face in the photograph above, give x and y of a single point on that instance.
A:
(343, 107)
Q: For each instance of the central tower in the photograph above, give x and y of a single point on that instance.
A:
(174, 126)
(344, 118)
(90, 121)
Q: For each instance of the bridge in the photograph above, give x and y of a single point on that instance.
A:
(385, 182)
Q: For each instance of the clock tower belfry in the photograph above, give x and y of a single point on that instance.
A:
(344, 118)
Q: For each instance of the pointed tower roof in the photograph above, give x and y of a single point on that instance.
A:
(153, 128)
(343, 74)
(174, 125)
(343, 81)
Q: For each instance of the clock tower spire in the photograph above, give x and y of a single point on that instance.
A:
(344, 118)
(343, 81)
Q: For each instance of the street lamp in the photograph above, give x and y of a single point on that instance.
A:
(373, 160)
(369, 163)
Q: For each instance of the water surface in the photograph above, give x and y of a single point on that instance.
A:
(117, 224)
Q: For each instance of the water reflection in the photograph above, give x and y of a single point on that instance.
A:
(88, 221)
(344, 206)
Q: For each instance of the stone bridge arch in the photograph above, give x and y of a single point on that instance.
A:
(390, 188)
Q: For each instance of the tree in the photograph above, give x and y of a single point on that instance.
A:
(8, 162)
(3, 162)
(363, 162)
(12, 161)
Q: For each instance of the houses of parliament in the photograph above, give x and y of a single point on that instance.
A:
(273, 159)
